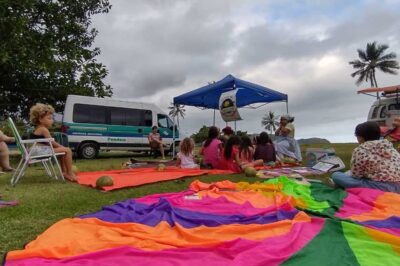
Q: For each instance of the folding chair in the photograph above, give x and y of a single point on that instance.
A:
(26, 148)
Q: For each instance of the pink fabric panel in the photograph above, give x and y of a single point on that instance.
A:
(358, 201)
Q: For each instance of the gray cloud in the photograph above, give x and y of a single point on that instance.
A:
(156, 50)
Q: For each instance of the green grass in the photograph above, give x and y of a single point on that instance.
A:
(44, 201)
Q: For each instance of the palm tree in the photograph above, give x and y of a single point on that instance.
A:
(371, 59)
(177, 111)
(270, 122)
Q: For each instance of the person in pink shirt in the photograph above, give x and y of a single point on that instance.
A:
(230, 159)
(210, 148)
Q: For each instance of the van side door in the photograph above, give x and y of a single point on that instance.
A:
(128, 128)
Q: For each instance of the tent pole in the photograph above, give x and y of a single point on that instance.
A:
(214, 119)
(287, 107)
(173, 138)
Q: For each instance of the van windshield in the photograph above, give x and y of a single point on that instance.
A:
(164, 121)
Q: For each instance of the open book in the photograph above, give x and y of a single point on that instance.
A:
(324, 166)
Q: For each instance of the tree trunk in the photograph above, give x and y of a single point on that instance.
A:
(373, 79)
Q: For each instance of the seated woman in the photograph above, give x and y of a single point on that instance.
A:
(155, 141)
(285, 144)
(4, 153)
(374, 163)
(265, 150)
(210, 148)
(246, 153)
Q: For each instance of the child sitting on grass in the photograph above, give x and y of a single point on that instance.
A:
(185, 157)
(265, 149)
(41, 116)
(246, 153)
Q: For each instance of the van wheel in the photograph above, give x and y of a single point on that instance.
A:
(88, 151)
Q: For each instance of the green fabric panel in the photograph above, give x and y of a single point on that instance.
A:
(329, 247)
(368, 250)
(334, 197)
(300, 191)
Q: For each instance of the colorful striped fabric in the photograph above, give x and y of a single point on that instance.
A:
(278, 222)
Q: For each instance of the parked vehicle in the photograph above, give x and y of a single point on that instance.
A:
(93, 124)
(386, 107)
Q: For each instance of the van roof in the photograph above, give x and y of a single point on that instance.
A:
(110, 102)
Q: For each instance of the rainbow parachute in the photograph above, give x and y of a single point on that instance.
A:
(278, 222)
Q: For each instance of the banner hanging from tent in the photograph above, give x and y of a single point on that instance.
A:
(227, 106)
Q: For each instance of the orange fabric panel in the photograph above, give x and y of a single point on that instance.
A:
(385, 206)
(141, 176)
(72, 237)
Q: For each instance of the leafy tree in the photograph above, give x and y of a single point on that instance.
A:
(270, 122)
(373, 58)
(177, 111)
(200, 136)
(46, 53)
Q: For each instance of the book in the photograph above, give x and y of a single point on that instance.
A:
(323, 166)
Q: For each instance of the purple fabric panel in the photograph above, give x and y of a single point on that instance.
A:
(392, 222)
(135, 212)
(358, 201)
(270, 251)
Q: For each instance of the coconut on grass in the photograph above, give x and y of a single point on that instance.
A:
(161, 167)
(104, 181)
(250, 171)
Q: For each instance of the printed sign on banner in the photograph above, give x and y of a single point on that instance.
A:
(227, 106)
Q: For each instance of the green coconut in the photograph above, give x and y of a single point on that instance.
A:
(161, 167)
(104, 181)
(289, 160)
(250, 171)
(75, 169)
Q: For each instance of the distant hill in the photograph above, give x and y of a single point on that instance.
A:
(313, 141)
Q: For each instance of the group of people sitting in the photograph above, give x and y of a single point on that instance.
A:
(227, 152)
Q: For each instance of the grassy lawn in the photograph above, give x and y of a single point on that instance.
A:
(43, 201)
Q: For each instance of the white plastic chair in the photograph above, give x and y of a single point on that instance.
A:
(26, 148)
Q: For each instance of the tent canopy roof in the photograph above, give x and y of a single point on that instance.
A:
(248, 93)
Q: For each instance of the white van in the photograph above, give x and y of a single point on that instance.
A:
(383, 110)
(93, 124)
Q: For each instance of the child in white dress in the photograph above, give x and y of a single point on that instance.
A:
(185, 157)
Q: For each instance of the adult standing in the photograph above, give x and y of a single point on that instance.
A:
(285, 143)
(155, 141)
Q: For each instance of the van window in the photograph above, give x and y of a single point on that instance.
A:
(164, 121)
(383, 112)
(394, 107)
(130, 117)
(375, 112)
(84, 113)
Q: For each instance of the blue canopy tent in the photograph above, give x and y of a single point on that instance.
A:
(247, 93)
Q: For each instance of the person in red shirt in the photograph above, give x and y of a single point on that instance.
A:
(229, 158)
(392, 134)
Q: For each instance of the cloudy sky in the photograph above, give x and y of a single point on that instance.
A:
(158, 49)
